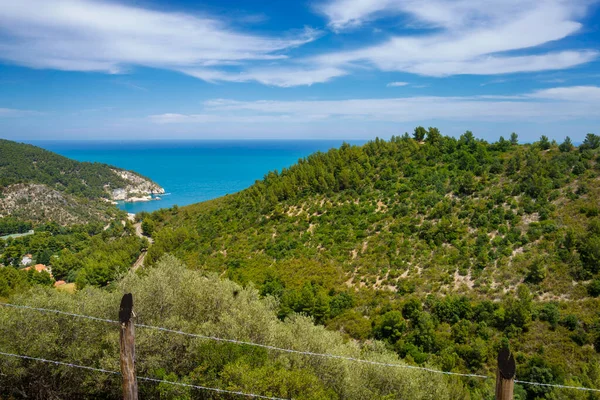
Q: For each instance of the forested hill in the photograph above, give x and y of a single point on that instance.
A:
(443, 247)
(39, 185)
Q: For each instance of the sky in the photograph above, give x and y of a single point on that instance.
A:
(316, 69)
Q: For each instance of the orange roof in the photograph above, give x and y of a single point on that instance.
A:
(59, 283)
(40, 267)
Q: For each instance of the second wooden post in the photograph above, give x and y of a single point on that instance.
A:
(505, 375)
(127, 344)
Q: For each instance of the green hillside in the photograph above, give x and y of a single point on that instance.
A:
(37, 185)
(445, 248)
(25, 163)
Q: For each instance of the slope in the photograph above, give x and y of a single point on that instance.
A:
(39, 186)
(443, 247)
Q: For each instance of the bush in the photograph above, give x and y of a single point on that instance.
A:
(173, 296)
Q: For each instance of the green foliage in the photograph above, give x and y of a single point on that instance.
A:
(419, 133)
(24, 163)
(566, 146)
(85, 254)
(170, 295)
(9, 225)
(459, 236)
(148, 226)
(390, 326)
(591, 142)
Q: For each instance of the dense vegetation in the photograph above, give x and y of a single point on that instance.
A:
(39, 186)
(82, 254)
(10, 225)
(444, 248)
(25, 163)
(173, 296)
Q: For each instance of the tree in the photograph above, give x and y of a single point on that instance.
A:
(591, 142)
(594, 288)
(544, 142)
(148, 227)
(419, 133)
(537, 271)
(390, 326)
(433, 135)
(514, 139)
(566, 146)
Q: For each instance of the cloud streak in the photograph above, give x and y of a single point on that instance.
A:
(397, 84)
(447, 37)
(12, 112)
(554, 104)
(463, 36)
(88, 35)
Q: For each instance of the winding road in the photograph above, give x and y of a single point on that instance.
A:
(138, 231)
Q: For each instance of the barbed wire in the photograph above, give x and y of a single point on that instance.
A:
(308, 353)
(143, 378)
(264, 346)
(556, 385)
(110, 321)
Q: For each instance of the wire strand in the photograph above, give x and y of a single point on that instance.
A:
(264, 346)
(268, 347)
(143, 378)
(555, 385)
(110, 321)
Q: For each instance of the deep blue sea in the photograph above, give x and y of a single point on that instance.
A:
(191, 171)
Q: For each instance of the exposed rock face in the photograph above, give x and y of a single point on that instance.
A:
(137, 189)
(37, 202)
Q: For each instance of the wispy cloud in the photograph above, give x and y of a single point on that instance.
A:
(544, 105)
(448, 37)
(273, 76)
(12, 112)
(130, 85)
(576, 94)
(87, 35)
(396, 84)
(470, 36)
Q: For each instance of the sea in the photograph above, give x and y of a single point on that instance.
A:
(192, 171)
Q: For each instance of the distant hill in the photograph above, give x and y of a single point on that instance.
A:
(38, 185)
(444, 247)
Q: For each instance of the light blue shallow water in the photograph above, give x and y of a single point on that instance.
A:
(191, 171)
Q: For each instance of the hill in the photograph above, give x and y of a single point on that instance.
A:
(37, 185)
(445, 248)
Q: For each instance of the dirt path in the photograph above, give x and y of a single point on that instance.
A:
(140, 261)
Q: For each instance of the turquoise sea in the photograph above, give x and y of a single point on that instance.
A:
(191, 171)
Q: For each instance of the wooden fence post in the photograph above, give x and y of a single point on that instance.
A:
(127, 344)
(505, 375)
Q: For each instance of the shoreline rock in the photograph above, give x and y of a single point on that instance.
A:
(139, 189)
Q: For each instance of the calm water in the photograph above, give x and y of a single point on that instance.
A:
(194, 171)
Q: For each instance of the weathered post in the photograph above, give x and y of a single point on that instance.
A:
(505, 375)
(127, 344)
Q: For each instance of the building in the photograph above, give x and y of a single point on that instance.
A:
(39, 268)
(27, 260)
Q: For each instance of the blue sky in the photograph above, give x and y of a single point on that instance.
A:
(319, 69)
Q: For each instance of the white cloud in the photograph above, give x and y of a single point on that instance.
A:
(583, 94)
(88, 35)
(540, 106)
(471, 36)
(279, 76)
(396, 84)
